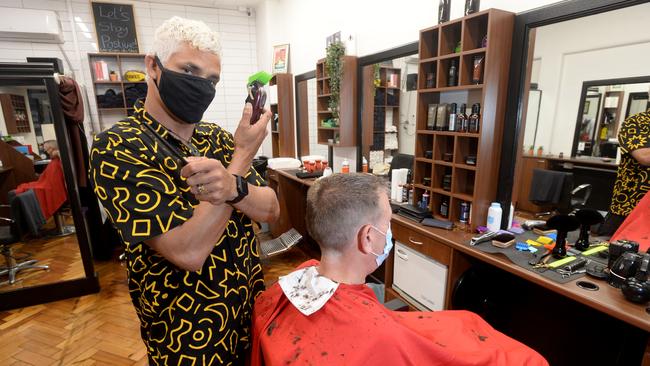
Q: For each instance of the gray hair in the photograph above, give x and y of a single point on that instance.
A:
(337, 206)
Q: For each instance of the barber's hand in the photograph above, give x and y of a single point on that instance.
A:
(248, 138)
(209, 180)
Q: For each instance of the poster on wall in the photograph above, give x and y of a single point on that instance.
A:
(281, 59)
(115, 27)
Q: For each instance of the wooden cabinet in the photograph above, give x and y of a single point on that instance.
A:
(415, 237)
(344, 131)
(462, 165)
(423, 244)
(282, 123)
(16, 115)
(524, 181)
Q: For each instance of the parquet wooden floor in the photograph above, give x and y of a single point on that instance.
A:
(61, 254)
(100, 329)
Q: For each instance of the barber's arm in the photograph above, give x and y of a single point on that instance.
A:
(261, 203)
(219, 185)
(188, 245)
(642, 156)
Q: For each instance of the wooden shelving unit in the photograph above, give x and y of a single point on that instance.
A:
(378, 101)
(16, 115)
(474, 184)
(344, 134)
(120, 63)
(282, 125)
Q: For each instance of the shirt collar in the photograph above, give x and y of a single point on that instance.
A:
(141, 114)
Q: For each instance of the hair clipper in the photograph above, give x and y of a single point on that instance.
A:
(257, 94)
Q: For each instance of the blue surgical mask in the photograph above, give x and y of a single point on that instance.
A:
(387, 247)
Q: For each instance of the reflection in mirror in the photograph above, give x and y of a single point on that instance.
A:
(637, 102)
(534, 102)
(314, 147)
(602, 115)
(389, 104)
(588, 120)
(582, 80)
(567, 54)
(37, 239)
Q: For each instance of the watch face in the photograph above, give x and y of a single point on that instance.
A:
(242, 189)
(242, 186)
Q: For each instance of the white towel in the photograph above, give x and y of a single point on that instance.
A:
(307, 290)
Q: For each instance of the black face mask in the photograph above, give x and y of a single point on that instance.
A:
(186, 96)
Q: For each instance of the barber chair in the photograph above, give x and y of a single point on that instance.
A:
(13, 233)
(59, 219)
(556, 189)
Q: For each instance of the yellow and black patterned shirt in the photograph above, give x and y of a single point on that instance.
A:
(186, 318)
(632, 179)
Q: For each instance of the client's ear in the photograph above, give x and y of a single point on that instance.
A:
(363, 240)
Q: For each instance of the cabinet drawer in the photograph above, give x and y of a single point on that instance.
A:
(422, 243)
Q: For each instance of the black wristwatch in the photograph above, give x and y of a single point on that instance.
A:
(242, 189)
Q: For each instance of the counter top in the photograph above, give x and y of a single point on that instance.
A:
(607, 299)
(579, 160)
(291, 174)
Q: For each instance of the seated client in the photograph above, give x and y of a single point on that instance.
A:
(323, 314)
(50, 186)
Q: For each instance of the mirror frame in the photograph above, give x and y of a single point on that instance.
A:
(42, 74)
(631, 99)
(297, 79)
(583, 94)
(513, 125)
(390, 54)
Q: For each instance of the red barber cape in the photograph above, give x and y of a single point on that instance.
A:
(49, 188)
(353, 328)
(636, 226)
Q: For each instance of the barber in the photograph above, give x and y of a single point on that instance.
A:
(633, 175)
(192, 259)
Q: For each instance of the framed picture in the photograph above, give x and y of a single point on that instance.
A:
(281, 59)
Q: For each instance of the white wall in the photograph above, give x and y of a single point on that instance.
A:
(604, 46)
(376, 25)
(237, 29)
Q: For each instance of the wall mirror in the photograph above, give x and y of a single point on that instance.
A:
(571, 82)
(388, 102)
(44, 239)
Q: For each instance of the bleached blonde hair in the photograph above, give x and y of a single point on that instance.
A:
(176, 30)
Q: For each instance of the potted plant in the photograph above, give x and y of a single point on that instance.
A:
(334, 64)
(540, 151)
(113, 76)
(531, 150)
